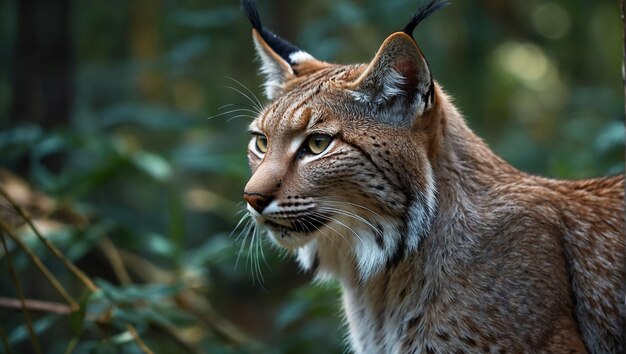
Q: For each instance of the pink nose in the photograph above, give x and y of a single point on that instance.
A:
(257, 201)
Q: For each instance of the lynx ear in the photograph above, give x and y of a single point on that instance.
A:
(397, 81)
(279, 58)
(397, 85)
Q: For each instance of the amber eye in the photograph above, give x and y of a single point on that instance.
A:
(261, 143)
(317, 143)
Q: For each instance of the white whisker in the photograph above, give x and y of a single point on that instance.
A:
(351, 204)
(330, 227)
(244, 236)
(255, 103)
(325, 234)
(351, 215)
(239, 116)
(346, 226)
(235, 110)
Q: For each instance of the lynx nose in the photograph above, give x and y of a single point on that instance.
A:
(257, 201)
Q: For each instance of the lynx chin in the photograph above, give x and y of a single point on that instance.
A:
(369, 174)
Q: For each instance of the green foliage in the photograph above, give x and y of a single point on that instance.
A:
(143, 162)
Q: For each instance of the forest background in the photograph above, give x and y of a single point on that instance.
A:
(107, 145)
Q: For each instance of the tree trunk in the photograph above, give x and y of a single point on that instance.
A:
(624, 56)
(43, 74)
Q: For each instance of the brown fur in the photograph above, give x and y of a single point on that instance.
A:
(440, 246)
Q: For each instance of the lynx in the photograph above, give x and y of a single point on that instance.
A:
(369, 174)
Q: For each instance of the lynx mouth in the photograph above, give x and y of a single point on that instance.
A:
(302, 225)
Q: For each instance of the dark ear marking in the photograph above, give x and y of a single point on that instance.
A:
(422, 12)
(252, 12)
(280, 46)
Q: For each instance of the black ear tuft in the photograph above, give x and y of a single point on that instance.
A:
(280, 46)
(252, 12)
(423, 12)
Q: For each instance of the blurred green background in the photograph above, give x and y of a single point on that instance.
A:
(104, 107)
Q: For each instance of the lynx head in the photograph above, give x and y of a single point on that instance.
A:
(341, 155)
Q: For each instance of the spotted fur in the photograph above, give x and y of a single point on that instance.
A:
(439, 245)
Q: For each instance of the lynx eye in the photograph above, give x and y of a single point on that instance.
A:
(317, 143)
(261, 143)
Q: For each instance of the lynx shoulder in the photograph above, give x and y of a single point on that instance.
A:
(369, 174)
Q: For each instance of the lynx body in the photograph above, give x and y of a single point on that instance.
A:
(369, 174)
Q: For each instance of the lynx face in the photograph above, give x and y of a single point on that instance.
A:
(340, 157)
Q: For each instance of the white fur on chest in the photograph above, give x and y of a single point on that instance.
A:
(351, 249)
(381, 320)
(355, 251)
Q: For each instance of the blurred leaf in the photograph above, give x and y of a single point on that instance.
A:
(121, 338)
(122, 316)
(51, 144)
(153, 165)
(88, 238)
(612, 136)
(40, 326)
(160, 245)
(23, 135)
(130, 293)
(171, 315)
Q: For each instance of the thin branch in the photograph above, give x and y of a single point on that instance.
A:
(113, 255)
(119, 267)
(38, 263)
(75, 270)
(5, 342)
(36, 305)
(188, 300)
(55, 251)
(178, 337)
(202, 310)
(144, 269)
(20, 292)
(72, 345)
(64, 310)
(140, 343)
